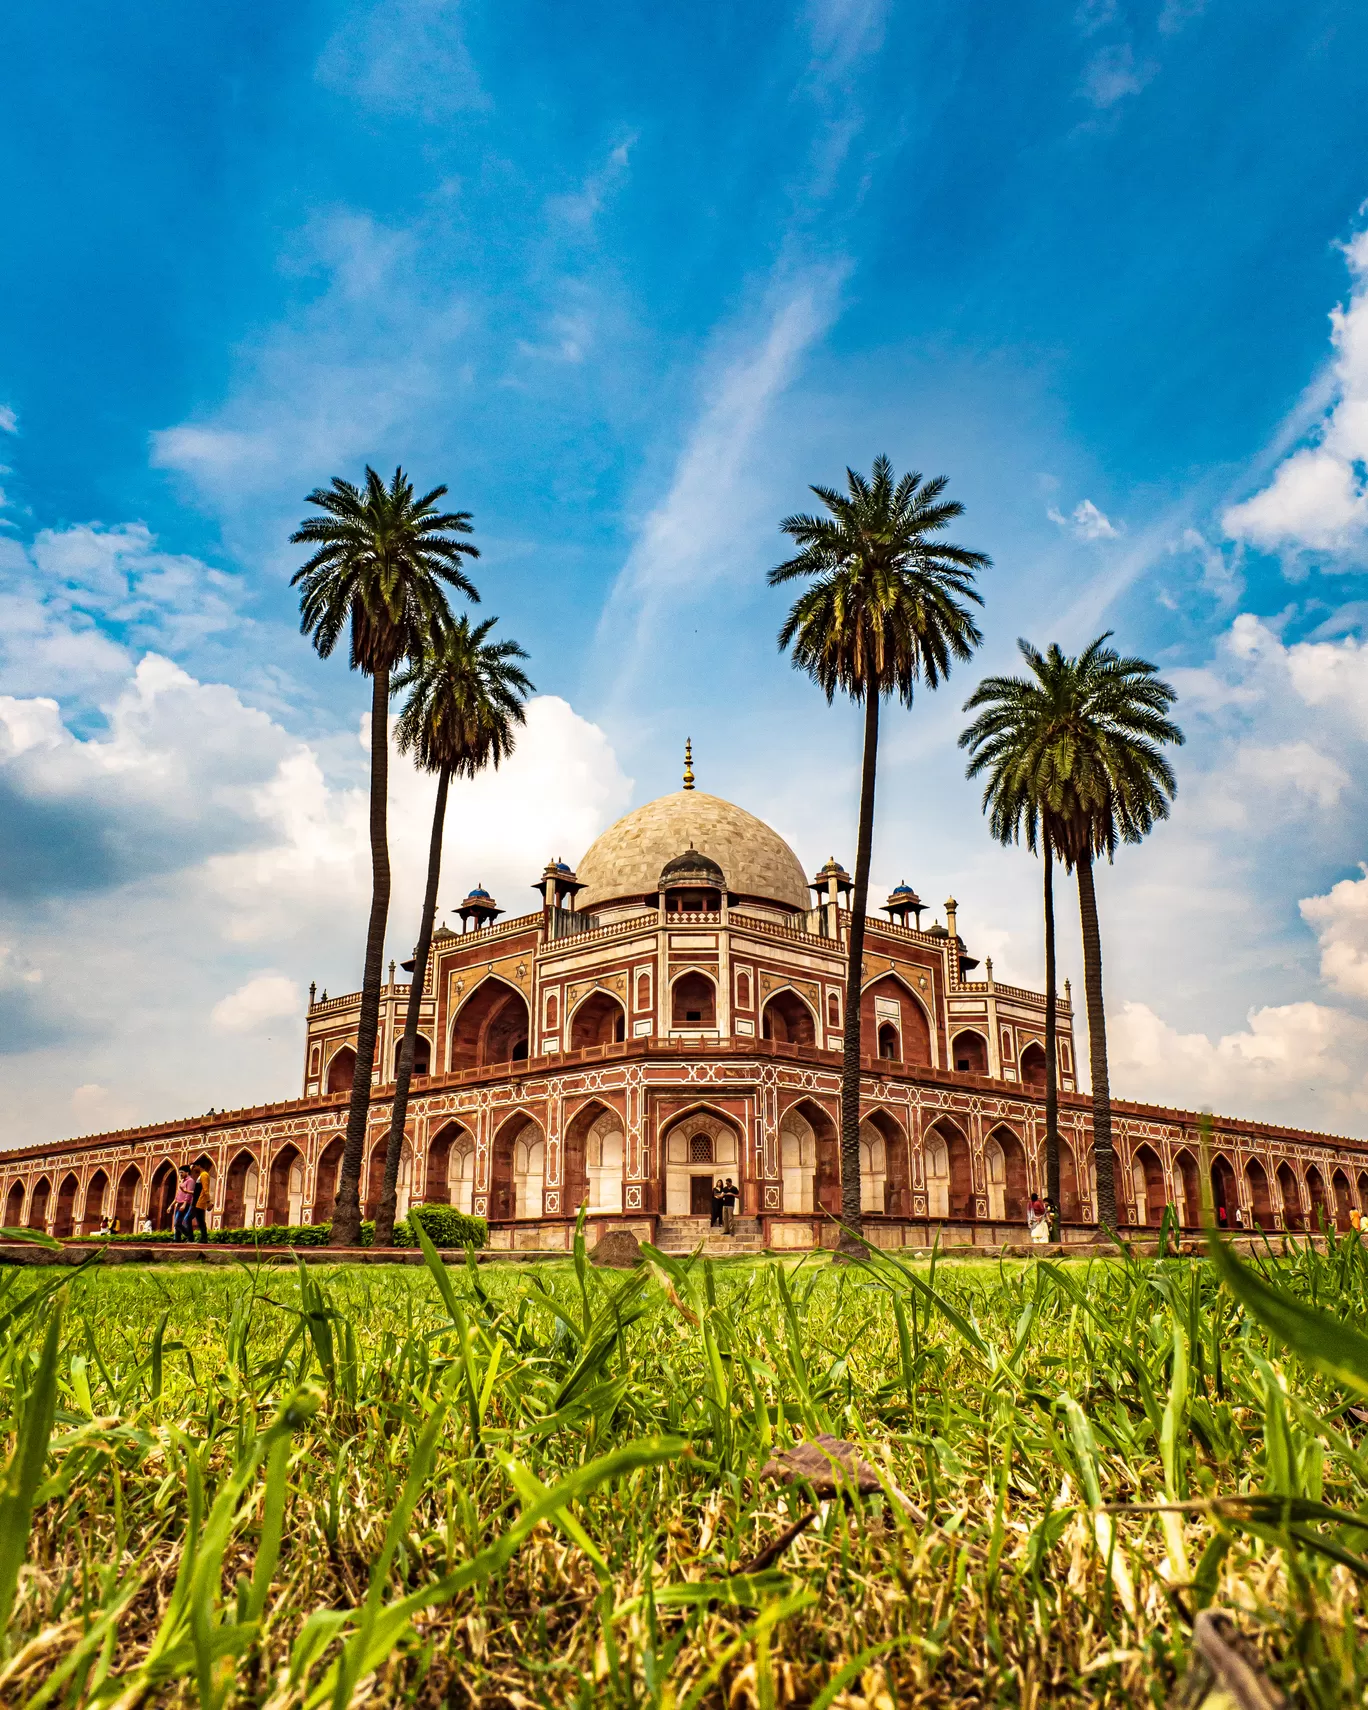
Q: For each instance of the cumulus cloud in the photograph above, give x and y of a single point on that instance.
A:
(1086, 521)
(173, 852)
(267, 998)
(1340, 921)
(1292, 1062)
(1317, 500)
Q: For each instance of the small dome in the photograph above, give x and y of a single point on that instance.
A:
(626, 860)
(936, 930)
(692, 868)
(478, 891)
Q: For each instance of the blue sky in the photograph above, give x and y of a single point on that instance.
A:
(627, 281)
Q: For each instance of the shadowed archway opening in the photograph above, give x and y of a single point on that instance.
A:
(325, 1179)
(240, 1192)
(697, 1148)
(1344, 1199)
(14, 1205)
(1321, 1215)
(888, 1000)
(1260, 1200)
(450, 1171)
(96, 1189)
(1070, 1204)
(949, 1172)
(1033, 1067)
(517, 1173)
(1225, 1196)
(1147, 1183)
(161, 1196)
(64, 1215)
(897, 1164)
(285, 1187)
(693, 1001)
(599, 1020)
(491, 1026)
(422, 1056)
(1189, 1189)
(1005, 1159)
(787, 1019)
(595, 1159)
(38, 1204)
(342, 1070)
(969, 1053)
(126, 1201)
(1289, 1191)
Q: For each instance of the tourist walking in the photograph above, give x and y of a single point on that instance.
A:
(180, 1207)
(195, 1217)
(1037, 1220)
(717, 1204)
(730, 1195)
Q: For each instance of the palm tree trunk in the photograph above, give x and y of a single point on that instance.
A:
(394, 1147)
(851, 1216)
(1103, 1154)
(346, 1219)
(1051, 1052)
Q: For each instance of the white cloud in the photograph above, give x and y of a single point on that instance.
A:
(405, 56)
(580, 207)
(1317, 500)
(1176, 15)
(1291, 1062)
(1340, 921)
(1086, 521)
(843, 31)
(9, 421)
(267, 998)
(1113, 73)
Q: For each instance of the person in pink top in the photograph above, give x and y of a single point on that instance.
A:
(180, 1210)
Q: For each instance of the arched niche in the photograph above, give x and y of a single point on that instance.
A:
(38, 1203)
(888, 1001)
(161, 1195)
(1147, 1183)
(892, 1194)
(341, 1070)
(1004, 1159)
(64, 1214)
(1070, 1202)
(241, 1191)
(491, 1026)
(1315, 1193)
(517, 1176)
(969, 1052)
(96, 1189)
(787, 1019)
(1189, 1188)
(949, 1171)
(698, 1147)
(598, 1019)
(126, 1200)
(422, 1056)
(326, 1176)
(693, 1000)
(1343, 1198)
(1032, 1066)
(451, 1168)
(14, 1206)
(1260, 1199)
(595, 1158)
(1225, 1196)
(375, 1179)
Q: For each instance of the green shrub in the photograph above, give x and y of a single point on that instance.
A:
(445, 1226)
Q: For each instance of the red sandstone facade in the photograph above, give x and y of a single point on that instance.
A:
(659, 1022)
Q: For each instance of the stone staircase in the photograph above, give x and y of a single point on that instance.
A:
(684, 1234)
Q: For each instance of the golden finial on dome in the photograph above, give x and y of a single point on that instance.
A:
(688, 763)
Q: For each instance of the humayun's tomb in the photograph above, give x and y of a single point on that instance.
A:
(671, 1011)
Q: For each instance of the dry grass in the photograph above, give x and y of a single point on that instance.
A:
(324, 1487)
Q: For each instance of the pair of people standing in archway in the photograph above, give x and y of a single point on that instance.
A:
(188, 1210)
(724, 1197)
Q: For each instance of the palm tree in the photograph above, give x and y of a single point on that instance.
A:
(382, 563)
(885, 608)
(465, 695)
(1004, 741)
(1078, 746)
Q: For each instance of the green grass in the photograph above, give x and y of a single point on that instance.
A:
(540, 1485)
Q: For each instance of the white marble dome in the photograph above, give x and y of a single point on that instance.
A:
(626, 860)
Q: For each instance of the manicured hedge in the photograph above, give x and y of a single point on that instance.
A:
(445, 1227)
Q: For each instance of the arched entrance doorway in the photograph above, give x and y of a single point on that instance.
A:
(798, 1163)
(693, 1001)
(14, 1206)
(1289, 1191)
(445, 1151)
(1260, 1200)
(887, 1002)
(1005, 1159)
(325, 1180)
(1032, 1067)
(96, 1190)
(788, 1019)
(342, 1070)
(599, 1020)
(697, 1148)
(240, 1192)
(969, 1053)
(422, 1056)
(125, 1203)
(285, 1187)
(161, 1196)
(1070, 1204)
(1147, 1181)
(38, 1204)
(1225, 1196)
(1315, 1193)
(64, 1217)
(897, 1164)
(1189, 1189)
(595, 1157)
(949, 1163)
(491, 1026)
(518, 1171)
(1344, 1199)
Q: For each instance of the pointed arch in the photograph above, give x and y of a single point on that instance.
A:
(161, 1194)
(1147, 1181)
(241, 1191)
(788, 1017)
(96, 1189)
(696, 1146)
(897, 1191)
(950, 1165)
(285, 1186)
(1315, 1193)
(341, 1070)
(595, 1158)
(1031, 1066)
(64, 1214)
(325, 1180)
(597, 1019)
(517, 1172)
(38, 1203)
(1343, 1198)
(888, 1000)
(422, 1056)
(1070, 1203)
(1260, 1199)
(969, 1052)
(493, 1025)
(126, 1200)
(14, 1206)
(693, 999)
(1189, 1188)
(450, 1167)
(1005, 1161)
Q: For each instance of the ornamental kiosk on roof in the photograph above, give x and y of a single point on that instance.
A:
(671, 1012)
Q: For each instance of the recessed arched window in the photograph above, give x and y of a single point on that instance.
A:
(743, 991)
(552, 1011)
(694, 1001)
(643, 989)
(833, 1010)
(700, 1149)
